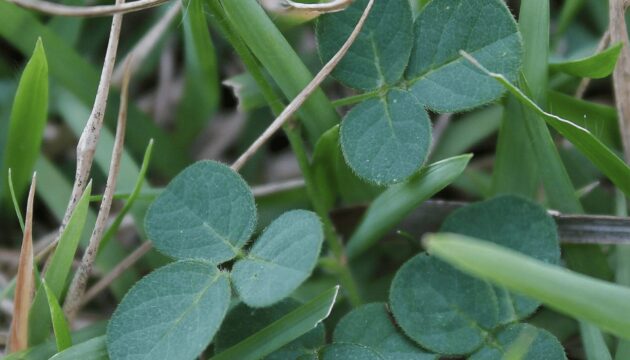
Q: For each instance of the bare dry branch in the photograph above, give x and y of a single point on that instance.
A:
(79, 282)
(86, 11)
(304, 94)
(116, 272)
(621, 76)
(18, 338)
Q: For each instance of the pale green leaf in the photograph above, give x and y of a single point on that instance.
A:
(280, 260)
(386, 140)
(93, 349)
(543, 347)
(567, 292)
(283, 331)
(516, 223)
(206, 212)
(59, 268)
(380, 54)
(441, 308)
(439, 76)
(60, 325)
(400, 200)
(173, 313)
(372, 326)
(597, 66)
(242, 322)
(27, 123)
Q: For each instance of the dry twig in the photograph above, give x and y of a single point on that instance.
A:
(304, 94)
(18, 338)
(79, 282)
(621, 76)
(86, 11)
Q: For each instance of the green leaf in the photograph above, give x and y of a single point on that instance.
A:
(400, 200)
(596, 66)
(60, 325)
(206, 212)
(27, 123)
(386, 140)
(518, 224)
(567, 292)
(59, 268)
(346, 351)
(601, 156)
(371, 326)
(283, 331)
(380, 54)
(441, 308)
(543, 347)
(172, 313)
(439, 76)
(94, 349)
(242, 322)
(280, 260)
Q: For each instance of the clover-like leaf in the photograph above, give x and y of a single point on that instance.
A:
(172, 313)
(515, 223)
(441, 308)
(371, 326)
(379, 55)
(386, 140)
(439, 76)
(348, 351)
(280, 260)
(206, 212)
(542, 345)
(243, 321)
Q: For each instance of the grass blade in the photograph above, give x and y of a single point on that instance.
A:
(601, 156)
(60, 325)
(93, 349)
(59, 268)
(28, 119)
(286, 329)
(398, 201)
(596, 66)
(567, 292)
(18, 337)
(14, 199)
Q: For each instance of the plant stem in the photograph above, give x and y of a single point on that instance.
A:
(355, 99)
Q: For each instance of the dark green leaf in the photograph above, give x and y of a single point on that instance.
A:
(543, 347)
(94, 349)
(345, 351)
(60, 325)
(596, 66)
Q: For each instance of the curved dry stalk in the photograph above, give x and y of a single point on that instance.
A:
(79, 282)
(299, 100)
(86, 11)
(116, 272)
(86, 147)
(328, 7)
(142, 49)
(25, 281)
(621, 76)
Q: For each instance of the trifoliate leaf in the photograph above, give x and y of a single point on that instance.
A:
(439, 76)
(441, 308)
(542, 345)
(386, 140)
(379, 55)
(346, 351)
(372, 326)
(172, 313)
(280, 260)
(243, 321)
(206, 212)
(515, 223)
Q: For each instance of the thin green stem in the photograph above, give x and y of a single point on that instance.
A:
(355, 99)
(16, 205)
(297, 143)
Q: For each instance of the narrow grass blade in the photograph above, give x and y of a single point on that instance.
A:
(283, 331)
(18, 336)
(601, 156)
(59, 268)
(596, 66)
(398, 201)
(60, 325)
(16, 204)
(593, 341)
(567, 292)
(28, 119)
(93, 349)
